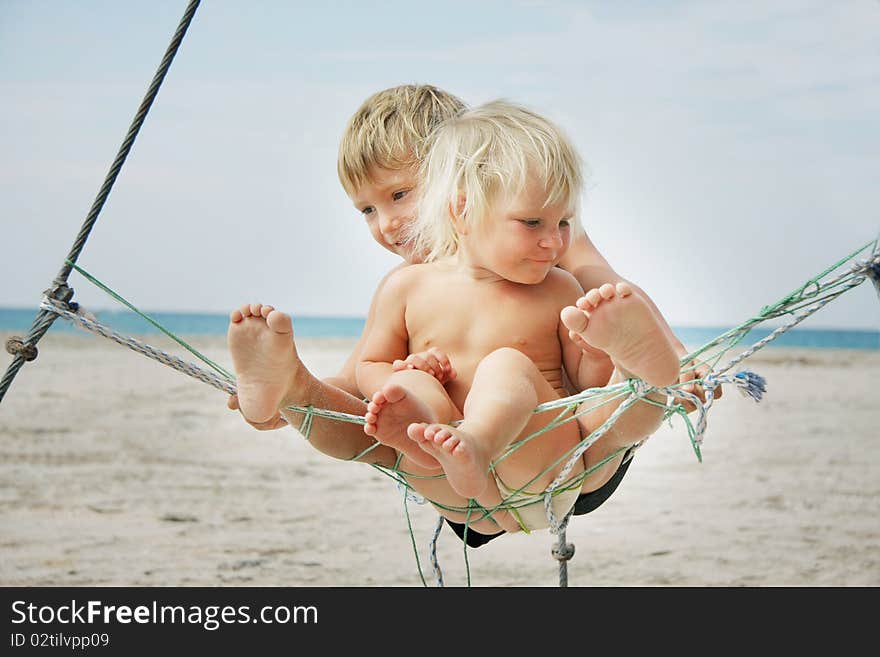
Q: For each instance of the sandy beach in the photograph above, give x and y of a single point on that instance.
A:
(118, 471)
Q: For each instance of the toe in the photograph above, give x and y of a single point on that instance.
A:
(279, 322)
(574, 320)
(449, 444)
(593, 297)
(442, 435)
(607, 291)
(416, 431)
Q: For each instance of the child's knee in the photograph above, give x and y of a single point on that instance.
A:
(507, 358)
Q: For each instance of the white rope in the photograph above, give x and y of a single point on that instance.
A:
(190, 369)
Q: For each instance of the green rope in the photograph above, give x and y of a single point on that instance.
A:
(210, 363)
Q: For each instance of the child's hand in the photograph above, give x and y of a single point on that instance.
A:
(687, 376)
(433, 361)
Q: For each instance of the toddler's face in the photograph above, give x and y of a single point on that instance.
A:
(523, 238)
(388, 204)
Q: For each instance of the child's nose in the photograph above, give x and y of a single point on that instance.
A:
(389, 224)
(552, 240)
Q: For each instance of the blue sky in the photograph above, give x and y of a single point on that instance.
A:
(733, 147)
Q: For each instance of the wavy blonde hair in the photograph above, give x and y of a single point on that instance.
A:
(389, 129)
(485, 154)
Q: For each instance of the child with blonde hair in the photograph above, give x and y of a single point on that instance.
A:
(464, 346)
(380, 154)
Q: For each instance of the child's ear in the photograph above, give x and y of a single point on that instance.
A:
(457, 214)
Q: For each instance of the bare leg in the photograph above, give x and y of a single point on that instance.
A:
(389, 413)
(464, 461)
(506, 388)
(408, 396)
(623, 324)
(270, 375)
(413, 396)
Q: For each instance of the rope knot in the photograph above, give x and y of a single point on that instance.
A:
(639, 387)
(562, 552)
(18, 347)
(62, 294)
(871, 268)
(750, 384)
(710, 381)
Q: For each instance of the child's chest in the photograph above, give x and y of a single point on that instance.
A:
(472, 319)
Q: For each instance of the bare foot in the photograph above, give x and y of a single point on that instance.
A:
(623, 325)
(388, 415)
(466, 467)
(264, 357)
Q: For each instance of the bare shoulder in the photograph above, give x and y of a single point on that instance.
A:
(582, 253)
(563, 283)
(394, 273)
(401, 279)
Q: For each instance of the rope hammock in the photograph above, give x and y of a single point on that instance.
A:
(812, 296)
(846, 274)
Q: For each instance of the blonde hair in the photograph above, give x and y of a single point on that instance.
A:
(485, 154)
(389, 129)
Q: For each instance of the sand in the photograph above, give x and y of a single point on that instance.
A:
(119, 471)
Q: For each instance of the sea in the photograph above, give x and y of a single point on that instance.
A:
(18, 320)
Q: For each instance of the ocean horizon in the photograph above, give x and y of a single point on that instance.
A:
(18, 320)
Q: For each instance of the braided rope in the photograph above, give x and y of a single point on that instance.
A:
(59, 289)
(190, 369)
(435, 562)
(563, 552)
(794, 322)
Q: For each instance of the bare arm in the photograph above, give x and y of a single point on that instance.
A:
(386, 340)
(345, 440)
(336, 438)
(346, 378)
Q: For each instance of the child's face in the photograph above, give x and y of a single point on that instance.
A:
(388, 204)
(522, 239)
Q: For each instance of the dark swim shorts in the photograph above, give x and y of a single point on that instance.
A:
(585, 503)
